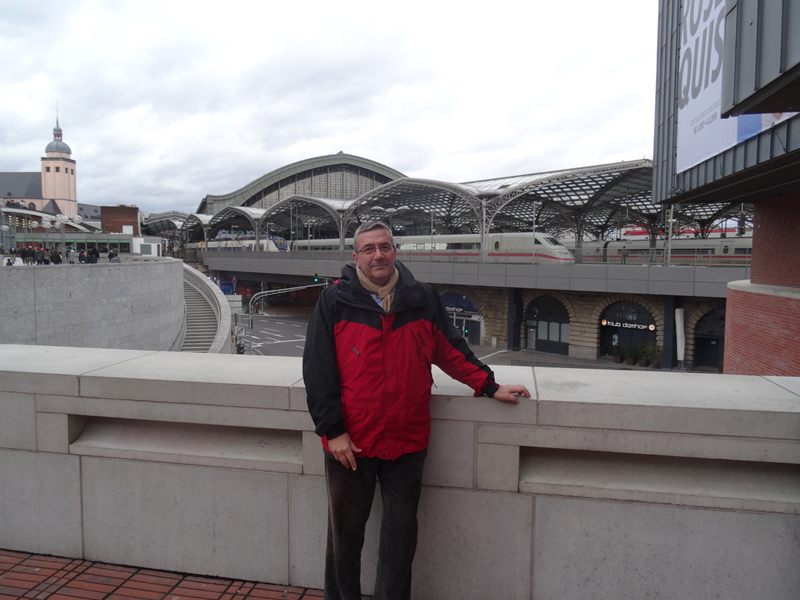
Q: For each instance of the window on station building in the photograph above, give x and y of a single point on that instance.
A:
(58, 169)
(47, 169)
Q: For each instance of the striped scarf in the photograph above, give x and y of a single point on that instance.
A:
(385, 292)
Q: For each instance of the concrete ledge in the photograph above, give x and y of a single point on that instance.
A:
(174, 412)
(54, 369)
(732, 485)
(197, 379)
(765, 290)
(188, 444)
(643, 442)
(687, 403)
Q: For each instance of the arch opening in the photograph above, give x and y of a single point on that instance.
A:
(548, 326)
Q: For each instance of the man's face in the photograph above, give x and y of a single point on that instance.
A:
(375, 255)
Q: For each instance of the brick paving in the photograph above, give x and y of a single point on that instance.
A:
(38, 577)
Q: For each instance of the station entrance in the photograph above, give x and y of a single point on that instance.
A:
(626, 324)
(464, 316)
(548, 326)
(709, 340)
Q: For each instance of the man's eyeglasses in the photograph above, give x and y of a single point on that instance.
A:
(370, 250)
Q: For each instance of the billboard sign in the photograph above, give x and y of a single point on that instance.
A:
(702, 132)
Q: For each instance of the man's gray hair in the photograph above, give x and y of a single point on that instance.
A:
(370, 226)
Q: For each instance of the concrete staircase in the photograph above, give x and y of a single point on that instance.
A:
(201, 321)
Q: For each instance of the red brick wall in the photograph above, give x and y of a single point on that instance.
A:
(776, 242)
(112, 218)
(762, 335)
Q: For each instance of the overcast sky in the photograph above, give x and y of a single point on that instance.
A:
(165, 102)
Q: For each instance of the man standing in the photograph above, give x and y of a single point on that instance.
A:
(367, 368)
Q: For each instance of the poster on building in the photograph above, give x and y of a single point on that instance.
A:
(702, 132)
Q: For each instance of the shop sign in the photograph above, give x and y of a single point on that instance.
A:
(607, 323)
(459, 304)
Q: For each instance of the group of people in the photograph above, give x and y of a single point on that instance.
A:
(41, 255)
(15, 204)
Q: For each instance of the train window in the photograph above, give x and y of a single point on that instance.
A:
(497, 245)
(742, 251)
(724, 249)
(552, 241)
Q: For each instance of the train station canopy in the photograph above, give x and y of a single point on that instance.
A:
(593, 202)
(158, 223)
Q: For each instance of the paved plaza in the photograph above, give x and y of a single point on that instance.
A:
(41, 577)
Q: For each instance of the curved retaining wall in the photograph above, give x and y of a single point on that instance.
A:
(135, 305)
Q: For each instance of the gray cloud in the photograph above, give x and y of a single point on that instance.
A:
(163, 103)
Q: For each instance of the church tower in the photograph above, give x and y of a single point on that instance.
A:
(58, 175)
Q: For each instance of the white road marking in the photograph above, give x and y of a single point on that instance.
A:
(492, 354)
(282, 341)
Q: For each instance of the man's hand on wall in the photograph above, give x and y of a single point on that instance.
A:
(508, 393)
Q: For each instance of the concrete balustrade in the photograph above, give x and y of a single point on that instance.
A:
(604, 485)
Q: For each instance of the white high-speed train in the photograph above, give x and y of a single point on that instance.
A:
(693, 251)
(273, 244)
(503, 247)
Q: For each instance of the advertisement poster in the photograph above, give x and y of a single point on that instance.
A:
(702, 132)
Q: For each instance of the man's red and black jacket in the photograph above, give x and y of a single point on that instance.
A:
(368, 373)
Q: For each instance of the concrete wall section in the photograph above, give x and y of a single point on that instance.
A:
(186, 518)
(586, 550)
(40, 502)
(605, 484)
(127, 305)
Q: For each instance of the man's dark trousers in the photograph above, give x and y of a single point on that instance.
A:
(350, 495)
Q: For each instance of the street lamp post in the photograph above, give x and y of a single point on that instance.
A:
(391, 212)
(60, 223)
